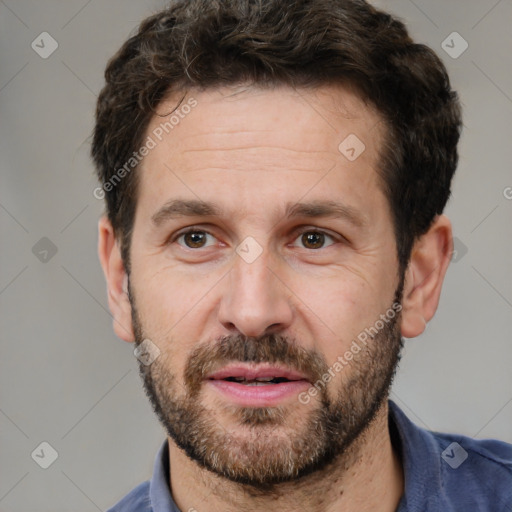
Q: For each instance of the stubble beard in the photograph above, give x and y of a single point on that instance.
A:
(261, 447)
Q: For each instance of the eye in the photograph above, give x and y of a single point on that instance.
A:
(194, 239)
(314, 239)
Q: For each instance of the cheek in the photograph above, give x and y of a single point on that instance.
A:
(175, 308)
(338, 309)
(339, 303)
(166, 292)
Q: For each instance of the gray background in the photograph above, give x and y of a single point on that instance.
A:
(67, 380)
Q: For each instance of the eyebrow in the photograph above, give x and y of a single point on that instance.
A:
(312, 209)
(333, 209)
(185, 208)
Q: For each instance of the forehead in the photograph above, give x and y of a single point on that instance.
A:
(261, 143)
(317, 117)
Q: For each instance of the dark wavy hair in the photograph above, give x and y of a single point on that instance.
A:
(205, 44)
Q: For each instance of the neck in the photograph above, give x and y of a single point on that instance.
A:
(368, 476)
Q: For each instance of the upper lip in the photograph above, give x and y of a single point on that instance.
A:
(253, 372)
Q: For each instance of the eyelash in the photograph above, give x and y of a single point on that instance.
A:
(335, 239)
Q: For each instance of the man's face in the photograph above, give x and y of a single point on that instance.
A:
(261, 251)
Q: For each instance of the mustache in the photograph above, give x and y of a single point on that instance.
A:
(271, 348)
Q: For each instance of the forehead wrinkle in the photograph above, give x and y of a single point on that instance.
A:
(234, 169)
(249, 147)
(226, 158)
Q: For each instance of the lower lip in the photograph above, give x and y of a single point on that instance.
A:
(260, 395)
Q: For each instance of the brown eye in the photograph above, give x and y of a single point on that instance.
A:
(194, 239)
(313, 240)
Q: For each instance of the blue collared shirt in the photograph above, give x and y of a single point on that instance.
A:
(443, 473)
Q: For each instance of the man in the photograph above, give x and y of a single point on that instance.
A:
(275, 175)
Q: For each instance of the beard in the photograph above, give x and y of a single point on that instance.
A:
(265, 446)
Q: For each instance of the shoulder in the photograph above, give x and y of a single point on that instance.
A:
(450, 472)
(476, 472)
(136, 500)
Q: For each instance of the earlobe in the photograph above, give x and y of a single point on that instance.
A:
(117, 280)
(424, 277)
(413, 320)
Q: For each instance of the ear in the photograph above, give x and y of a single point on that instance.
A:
(117, 280)
(430, 257)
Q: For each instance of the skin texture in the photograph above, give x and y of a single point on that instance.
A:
(251, 152)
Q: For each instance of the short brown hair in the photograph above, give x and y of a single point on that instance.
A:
(299, 43)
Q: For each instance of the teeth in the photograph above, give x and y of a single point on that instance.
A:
(257, 380)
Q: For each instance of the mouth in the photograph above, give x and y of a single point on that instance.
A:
(258, 381)
(257, 386)
(254, 375)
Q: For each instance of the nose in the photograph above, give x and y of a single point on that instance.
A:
(255, 301)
